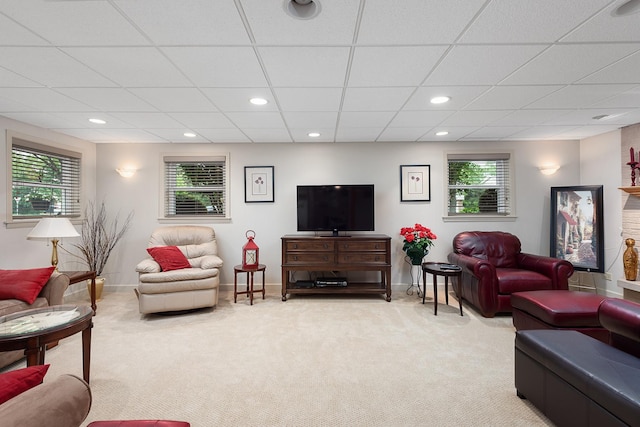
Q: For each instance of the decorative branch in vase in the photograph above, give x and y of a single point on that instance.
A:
(99, 236)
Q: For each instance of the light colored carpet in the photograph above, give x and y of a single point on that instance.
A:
(310, 361)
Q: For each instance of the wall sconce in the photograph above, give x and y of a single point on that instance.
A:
(548, 169)
(126, 172)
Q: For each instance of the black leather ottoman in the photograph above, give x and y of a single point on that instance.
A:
(559, 309)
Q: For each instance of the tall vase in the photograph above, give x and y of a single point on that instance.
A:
(416, 274)
(630, 260)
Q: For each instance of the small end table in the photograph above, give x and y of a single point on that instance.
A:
(438, 269)
(250, 272)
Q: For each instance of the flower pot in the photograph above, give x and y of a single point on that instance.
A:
(416, 275)
(99, 287)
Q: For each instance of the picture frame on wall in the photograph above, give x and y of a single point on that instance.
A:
(258, 184)
(415, 183)
(577, 226)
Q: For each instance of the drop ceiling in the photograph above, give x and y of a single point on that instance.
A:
(361, 70)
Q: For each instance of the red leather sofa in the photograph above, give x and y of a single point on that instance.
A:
(493, 267)
(577, 380)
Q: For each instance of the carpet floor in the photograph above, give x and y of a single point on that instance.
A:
(309, 361)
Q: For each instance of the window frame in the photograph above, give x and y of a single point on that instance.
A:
(509, 184)
(14, 139)
(166, 158)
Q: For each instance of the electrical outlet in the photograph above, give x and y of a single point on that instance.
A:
(607, 276)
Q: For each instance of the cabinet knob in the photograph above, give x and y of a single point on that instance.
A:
(325, 246)
(295, 258)
(295, 246)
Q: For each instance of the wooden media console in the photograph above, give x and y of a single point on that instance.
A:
(370, 252)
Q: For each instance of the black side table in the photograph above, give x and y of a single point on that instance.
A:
(440, 269)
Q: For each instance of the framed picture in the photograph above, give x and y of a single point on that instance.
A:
(577, 226)
(258, 184)
(415, 183)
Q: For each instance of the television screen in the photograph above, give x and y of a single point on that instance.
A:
(335, 208)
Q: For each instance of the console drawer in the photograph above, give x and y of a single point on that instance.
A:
(306, 258)
(362, 258)
(310, 245)
(362, 246)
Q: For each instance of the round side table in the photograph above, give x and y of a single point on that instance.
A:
(250, 290)
(440, 269)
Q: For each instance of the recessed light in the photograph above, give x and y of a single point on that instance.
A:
(97, 121)
(442, 133)
(189, 134)
(314, 134)
(440, 99)
(258, 101)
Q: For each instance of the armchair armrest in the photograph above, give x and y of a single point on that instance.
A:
(55, 288)
(480, 268)
(558, 270)
(148, 266)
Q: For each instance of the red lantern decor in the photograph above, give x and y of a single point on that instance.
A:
(250, 251)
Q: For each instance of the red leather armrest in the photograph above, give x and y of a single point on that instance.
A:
(558, 270)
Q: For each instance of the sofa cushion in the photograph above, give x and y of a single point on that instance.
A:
(24, 285)
(560, 308)
(169, 257)
(13, 383)
(512, 280)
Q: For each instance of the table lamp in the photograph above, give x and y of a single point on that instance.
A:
(54, 229)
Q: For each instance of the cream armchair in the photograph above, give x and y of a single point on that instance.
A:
(180, 289)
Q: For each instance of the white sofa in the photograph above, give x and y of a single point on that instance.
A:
(184, 289)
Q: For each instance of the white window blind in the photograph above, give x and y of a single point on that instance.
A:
(479, 184)
(195, 187)
(45, 180)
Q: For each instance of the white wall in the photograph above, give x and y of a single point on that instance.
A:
(328, 163)
(600, 165)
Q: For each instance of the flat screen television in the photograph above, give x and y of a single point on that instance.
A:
(336, 208)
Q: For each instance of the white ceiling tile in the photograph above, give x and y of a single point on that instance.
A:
(130, 66)
(358, 134)
(623, 71)
(148, 120)
(568, 63)
(402, 134)
(81, 119)
(376, 99)
(176, 135)
(42, 99)
(218, 66)
(270, 24)
(223, 135)
(268, 135)
(305, 66)
(12, 34)
(415, 21)
(481, 65)
(474, 118)
(311, 120)
(175, 99)
(309, 99)
(419, 118)
(605, 27)
(198, 22)
(202, 120)
(75, 22)
(455, 133)
(107, 99)
(130, 135)
(393, 66)
(526, 21)
(627, 99)
(495, 132)
(253, 120)
(237, 99)
(365, 118)
(460, 97)
(302, 135)
(579, 96)
(44, 120)
(50, 67)
(527, 117)
(584, 117)
(542, 132)
(11, 79)
(510, 97)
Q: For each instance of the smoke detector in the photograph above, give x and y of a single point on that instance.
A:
(302, 9)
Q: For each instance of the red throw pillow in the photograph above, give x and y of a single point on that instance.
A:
(169, 257)
(24, 285)
(13, 383)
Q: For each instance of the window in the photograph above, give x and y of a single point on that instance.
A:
(195, 186)
(479, 184)
(45, 180)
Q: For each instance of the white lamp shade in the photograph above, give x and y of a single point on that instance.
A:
(52, 228)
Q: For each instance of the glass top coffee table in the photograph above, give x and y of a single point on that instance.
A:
(31, 331)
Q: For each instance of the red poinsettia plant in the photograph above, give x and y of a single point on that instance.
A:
(417, 241)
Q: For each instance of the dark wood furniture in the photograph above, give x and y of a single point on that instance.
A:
(438, 269)
(31, 331)
(81, 276)
(250, 272)
(371, 252)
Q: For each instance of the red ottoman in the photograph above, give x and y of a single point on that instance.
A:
(559, 309)
(139, 423)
